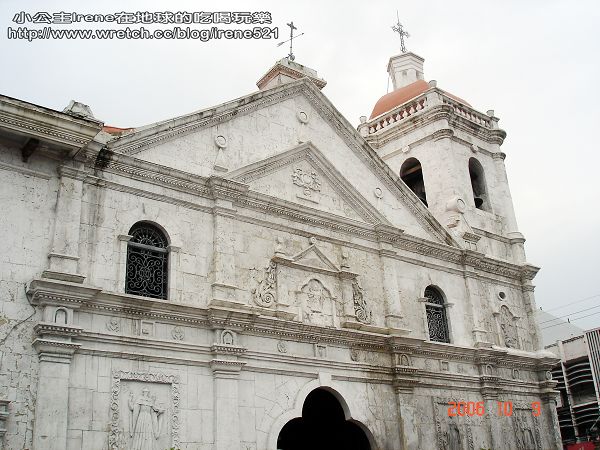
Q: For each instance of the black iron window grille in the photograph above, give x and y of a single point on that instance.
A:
(147, 262)
(437, 321)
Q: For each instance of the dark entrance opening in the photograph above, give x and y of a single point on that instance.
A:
(322, 427)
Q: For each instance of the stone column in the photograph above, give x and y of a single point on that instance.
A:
(64, 256)
(52, 404)
(391, 292)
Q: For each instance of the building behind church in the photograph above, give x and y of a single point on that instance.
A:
(264, 275)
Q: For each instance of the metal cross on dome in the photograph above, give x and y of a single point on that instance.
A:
(398, 29)
(291, 56)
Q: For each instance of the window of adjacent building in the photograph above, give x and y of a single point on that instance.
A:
(437, 322)
(147, 261)
(412, 175)
(480, 196)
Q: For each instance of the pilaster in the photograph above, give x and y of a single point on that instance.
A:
(391, 290)
(52, 404)
(223, 267)
(226, 368)
(64, 256)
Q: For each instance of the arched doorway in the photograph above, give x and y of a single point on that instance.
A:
(322, 426)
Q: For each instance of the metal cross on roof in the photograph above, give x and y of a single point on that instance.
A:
(398, 29)
(291, 56)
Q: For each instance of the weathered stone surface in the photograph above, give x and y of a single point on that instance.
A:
(298, 262)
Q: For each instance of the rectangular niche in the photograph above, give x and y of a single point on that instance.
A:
(144, 409)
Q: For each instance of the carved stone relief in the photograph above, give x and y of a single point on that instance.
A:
(405, 360)
(144, 411)
(264, 294)
(526, 429)
(452, 433)
(282, 347)
(508, 328)
(360, 304)
(177, 334)
(146, 328)
(321, 350)
(309, 182)
(317, 302)
(227, 337)
(113, 325)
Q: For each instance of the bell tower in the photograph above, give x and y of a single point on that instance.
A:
(449, 154)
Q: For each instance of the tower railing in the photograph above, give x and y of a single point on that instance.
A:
(427, 100)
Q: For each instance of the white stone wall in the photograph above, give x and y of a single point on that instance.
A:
(28, 198)
(225, 371)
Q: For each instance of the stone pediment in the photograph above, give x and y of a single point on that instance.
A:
(304, 176)
(313, 257)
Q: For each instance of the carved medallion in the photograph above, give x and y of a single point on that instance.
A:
(177, 334)
(282, 347)
(113, 325)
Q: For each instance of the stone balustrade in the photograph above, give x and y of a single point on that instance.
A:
(424, 101)
(468, 113)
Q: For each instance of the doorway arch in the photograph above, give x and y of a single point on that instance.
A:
(323, 425)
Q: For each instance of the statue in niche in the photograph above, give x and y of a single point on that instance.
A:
(318, 305)
(314, 293)
(509, 331)
(452, 440)
(525, 439)
(145, 421)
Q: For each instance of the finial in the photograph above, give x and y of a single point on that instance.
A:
(398, 29)
(291, 56)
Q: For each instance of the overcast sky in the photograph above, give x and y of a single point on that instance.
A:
(536, 63)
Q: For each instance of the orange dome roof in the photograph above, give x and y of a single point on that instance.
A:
(399, 96)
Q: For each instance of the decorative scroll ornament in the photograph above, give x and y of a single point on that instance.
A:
(360, 304)
(264, 294)
(308, 181)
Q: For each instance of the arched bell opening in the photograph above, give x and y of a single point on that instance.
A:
(480, 196)
(412, 175)
(323, 426)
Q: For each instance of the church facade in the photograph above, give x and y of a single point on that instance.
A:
(264, 275)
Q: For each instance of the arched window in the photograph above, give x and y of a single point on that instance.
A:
(412, 174)
(477, 176)
(147, 261)
(437, 321)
